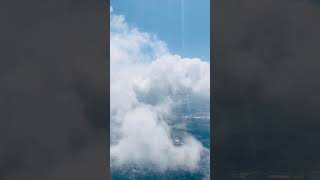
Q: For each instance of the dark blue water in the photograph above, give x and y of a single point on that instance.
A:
(199, 127)
(147, 175)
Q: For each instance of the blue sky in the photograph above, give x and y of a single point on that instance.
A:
(183, 24)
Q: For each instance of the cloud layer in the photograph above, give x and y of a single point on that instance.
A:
(147, 83)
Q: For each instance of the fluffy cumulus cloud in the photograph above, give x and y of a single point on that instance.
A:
(147, 83)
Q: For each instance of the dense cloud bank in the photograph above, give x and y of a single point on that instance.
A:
(147, 82)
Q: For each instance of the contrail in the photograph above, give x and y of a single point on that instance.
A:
(182, 46)
(182, 24)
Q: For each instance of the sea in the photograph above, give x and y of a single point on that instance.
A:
(189, 120)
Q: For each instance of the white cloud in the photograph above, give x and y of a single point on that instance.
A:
(146, 84)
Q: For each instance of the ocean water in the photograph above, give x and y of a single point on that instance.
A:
(195, 123)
